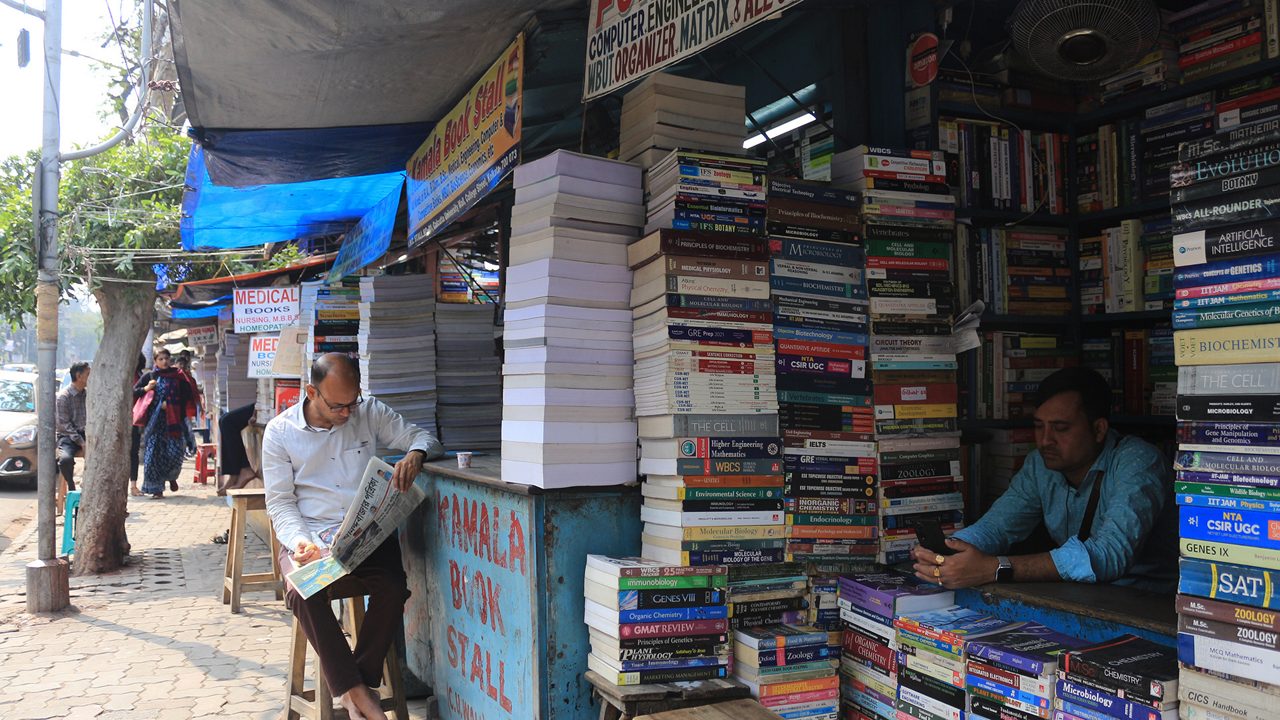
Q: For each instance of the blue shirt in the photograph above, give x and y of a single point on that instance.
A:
(1134, 536)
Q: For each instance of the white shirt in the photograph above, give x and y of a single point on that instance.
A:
(311, 474)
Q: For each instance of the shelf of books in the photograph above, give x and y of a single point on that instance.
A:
(1226, 344)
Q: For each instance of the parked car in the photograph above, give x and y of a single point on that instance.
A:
(18, 426)
(20, 367)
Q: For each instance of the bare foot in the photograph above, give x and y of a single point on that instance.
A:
(374, 710)
(350, 703)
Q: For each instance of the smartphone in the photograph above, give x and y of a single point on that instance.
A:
(930, 537)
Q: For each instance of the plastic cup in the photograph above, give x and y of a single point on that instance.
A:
(464, 459)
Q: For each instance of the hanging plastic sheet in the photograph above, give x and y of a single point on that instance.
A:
(220, 218)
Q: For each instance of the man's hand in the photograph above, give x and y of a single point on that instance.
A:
(407, 470)
(968, 567)
(306, 552)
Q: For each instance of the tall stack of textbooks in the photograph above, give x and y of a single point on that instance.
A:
(664, 112)
(705, 390)
(568, 404)
(469, 395)
(938, 640)
(869, 658)
(1002, 458)
(1216, 37)
(1138, 363)
(790, 670)
(1001, 167)
(1227, 331)
(1013, 673)
(1015, 271)
(772, 593)
(650, 622)
(337, 319)
(397, 345)
(1125, 677)
(824, 396)
(235, 386)
(1012, 364)
(912, 356)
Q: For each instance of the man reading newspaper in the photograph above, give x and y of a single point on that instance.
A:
(314, 458)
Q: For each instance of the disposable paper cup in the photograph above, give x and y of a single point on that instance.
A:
(464, 459)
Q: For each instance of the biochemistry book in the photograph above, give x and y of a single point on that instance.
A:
(377, 512)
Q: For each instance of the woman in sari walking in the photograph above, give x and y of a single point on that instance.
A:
(163, 436)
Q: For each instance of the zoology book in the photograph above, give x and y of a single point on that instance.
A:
(377, 512)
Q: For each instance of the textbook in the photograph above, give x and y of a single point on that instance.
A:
(378, 510)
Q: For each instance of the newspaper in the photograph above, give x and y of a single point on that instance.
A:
(378, 510)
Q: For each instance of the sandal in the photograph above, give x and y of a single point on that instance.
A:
(223, 538)
(156, 496)
(173, 486)
(134, 491)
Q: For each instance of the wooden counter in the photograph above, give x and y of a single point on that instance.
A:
(1086, 610)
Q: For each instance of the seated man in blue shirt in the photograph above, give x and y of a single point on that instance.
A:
(1128, 536)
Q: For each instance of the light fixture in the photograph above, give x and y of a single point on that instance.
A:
(794, 123)
(402, 258)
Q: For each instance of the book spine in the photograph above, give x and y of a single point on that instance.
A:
(1236, 503)
(1207, 346)
(1241, 527)
(1252, 637)
(1241, 207)
(1244, 408)
(671, 629)
(653, 599)
(1036, 685)
(1232, 478)
(675, 242)
(1243, 269)
(1231, 553)
(1228, 657)
(1103, 702)
(671, 582)
(646, 677)
(992, 710)
(656, 615)
(1013, 693)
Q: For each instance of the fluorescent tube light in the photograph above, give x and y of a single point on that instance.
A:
(781, 129)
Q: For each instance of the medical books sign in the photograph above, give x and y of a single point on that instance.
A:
(629, 39)
(470, 149)
(262, 355)
(259, 310)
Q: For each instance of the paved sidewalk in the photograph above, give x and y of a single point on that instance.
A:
(152, 640)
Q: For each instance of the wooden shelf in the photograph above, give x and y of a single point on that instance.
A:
(1027, 119)
(1137, 102)
(1040, 218)
(1128, 317)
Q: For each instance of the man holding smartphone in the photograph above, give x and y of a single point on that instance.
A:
(1106, 503)
(313, 455)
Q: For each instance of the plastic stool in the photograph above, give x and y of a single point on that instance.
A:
(69, 521)
(206, 454)
(234, 580)
(319, 703)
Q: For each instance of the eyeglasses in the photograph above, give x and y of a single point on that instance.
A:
(339, 408)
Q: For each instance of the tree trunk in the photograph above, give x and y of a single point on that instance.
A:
(101, 542)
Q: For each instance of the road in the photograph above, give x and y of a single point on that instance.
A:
(17, 507)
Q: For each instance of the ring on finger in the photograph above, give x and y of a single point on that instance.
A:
(937, 572)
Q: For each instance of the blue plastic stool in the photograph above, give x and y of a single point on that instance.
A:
(69, 522)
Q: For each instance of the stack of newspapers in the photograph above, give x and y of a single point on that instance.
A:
(397, 345)
(235, 387)
(568, 409)
(1226, 320)
(664, 112)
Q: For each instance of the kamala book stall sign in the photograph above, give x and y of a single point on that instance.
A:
(629, 40)
(470, 150)
(264, 310)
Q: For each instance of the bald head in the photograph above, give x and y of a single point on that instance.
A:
(340, 366)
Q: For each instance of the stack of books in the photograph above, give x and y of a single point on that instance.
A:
(1125, 677)
(790, 670)
(469, 400)
(568, 344)
(465, 278)
(1139, 366)
(870, 658)
(912, 356)
(235, 387)
(1013, 364)
(1015, 271)
(337, 319)
(1002, 458)
(1013, 673)
(1157, 70)
(1216, 37)
(824, 397)
(650, 622)
(398, 345)
(690, 190)
(706, 399)
(664, 112)
(773, 593)
(1226, 330)
(939, 642)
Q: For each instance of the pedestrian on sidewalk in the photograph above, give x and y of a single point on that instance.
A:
(163, 440)
(313, 456)
(135, 434)
(70, 412)
(183, 363)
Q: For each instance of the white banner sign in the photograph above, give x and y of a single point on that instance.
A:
(262, 355)
(266, 309)
(203, 335)
(629, 39)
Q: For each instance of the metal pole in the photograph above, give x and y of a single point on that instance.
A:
(47, 577)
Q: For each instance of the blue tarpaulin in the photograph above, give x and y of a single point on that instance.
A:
(219, 218)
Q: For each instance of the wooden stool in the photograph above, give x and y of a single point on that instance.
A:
(318, 703)
(234, 580)
(619, 702)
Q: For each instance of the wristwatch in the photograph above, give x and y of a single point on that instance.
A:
(1004, 571)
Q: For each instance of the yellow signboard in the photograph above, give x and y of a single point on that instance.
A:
(470, 149)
